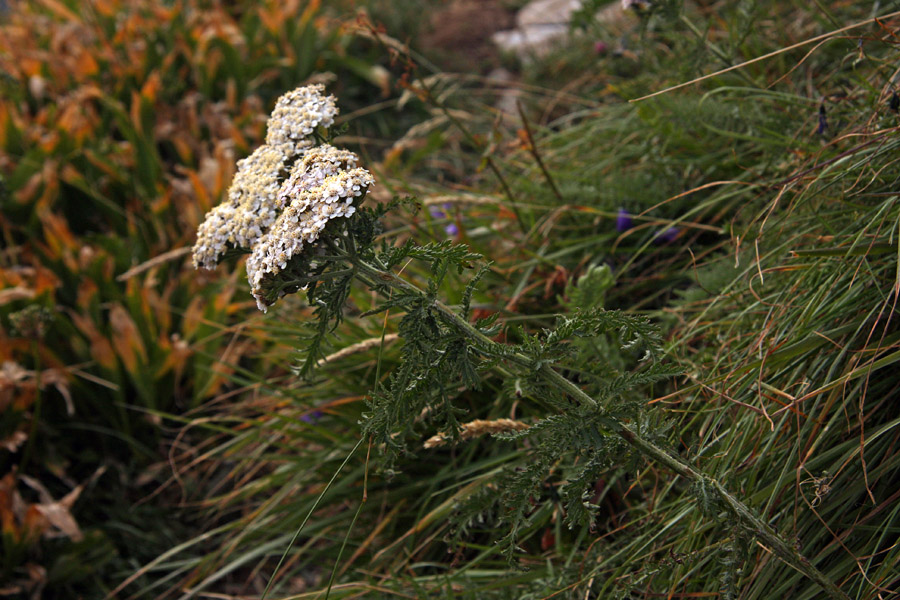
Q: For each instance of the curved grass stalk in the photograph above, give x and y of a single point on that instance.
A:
(303, 524)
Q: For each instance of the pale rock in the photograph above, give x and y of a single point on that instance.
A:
(547, 12)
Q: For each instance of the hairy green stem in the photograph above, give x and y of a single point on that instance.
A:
(745, 516)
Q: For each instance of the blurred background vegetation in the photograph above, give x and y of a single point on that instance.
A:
(155, 442)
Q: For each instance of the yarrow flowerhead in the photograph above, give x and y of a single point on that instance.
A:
(321, 187)
(296, 117)
(284, 195)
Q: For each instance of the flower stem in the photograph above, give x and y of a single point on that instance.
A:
(749, 521)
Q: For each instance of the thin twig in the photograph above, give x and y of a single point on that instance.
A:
(532, 147)
(488, 159)
(153, 262)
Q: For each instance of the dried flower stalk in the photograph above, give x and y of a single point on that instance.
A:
(476, 428)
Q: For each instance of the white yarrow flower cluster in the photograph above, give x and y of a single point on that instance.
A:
(251, 208)
(321, 187)
(284, 194)
(296, 116)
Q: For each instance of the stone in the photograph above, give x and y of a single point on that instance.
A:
(547, 12)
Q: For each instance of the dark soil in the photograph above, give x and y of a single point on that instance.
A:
(459, 36)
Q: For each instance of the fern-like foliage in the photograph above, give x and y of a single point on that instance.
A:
(328, 278)
(574, 445)
(438, 358)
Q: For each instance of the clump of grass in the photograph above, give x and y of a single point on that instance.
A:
(793, 401)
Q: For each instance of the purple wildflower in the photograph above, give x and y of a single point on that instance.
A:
(601, 47)
(823, 120)
(438, 212)
(623, 221)
(667, 236)
(313, 417)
